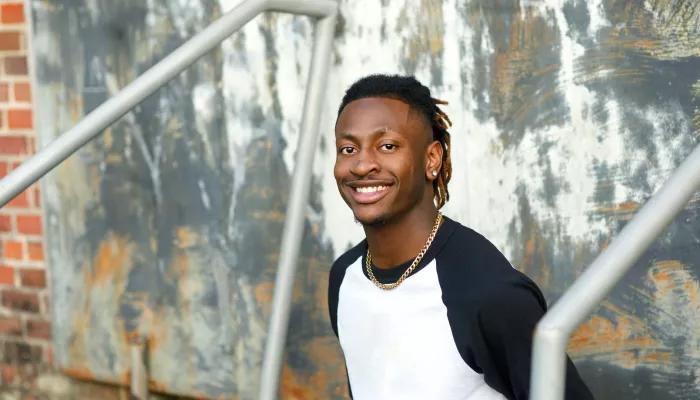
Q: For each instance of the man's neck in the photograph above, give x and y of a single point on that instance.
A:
(396, 242)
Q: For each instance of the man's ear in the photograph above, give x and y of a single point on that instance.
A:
(433, 157)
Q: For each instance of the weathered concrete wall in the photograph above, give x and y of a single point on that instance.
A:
(566, 118)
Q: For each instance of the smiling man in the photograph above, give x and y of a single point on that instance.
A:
(424, 307)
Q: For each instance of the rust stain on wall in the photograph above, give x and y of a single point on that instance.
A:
(111, 262)
(618, 338)
(657, 339)
(424, 43)
(523, 65)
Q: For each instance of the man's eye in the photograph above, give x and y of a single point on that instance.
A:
(389, 146)
(346, 150)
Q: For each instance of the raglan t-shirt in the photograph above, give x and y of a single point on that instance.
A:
(460, 327)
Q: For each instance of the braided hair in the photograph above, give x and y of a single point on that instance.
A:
(409, 90)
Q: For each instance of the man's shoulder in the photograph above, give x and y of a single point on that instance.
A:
(471, 253)
(470, 259)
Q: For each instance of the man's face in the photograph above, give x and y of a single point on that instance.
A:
(380, 165)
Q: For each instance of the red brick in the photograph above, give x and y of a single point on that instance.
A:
(20, 201)
(20, 301)
(3, 169)
(9, 373)
(22, 92)
(7, 275)
(5, 223)
(13, 250)
(11, 326)
(12, 13)
(13, 145)
(37, 197)
(4, 92)
(29, 224)
(19, 119)
(16, 65)
(36, 251)
(38, 329)
(9, 41)
(35, 278)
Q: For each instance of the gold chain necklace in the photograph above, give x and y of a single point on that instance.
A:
(413, 266)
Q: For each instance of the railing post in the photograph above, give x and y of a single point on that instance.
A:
(296, 208)
(554, 329)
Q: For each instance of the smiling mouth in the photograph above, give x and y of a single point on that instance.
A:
(371, 189)
(368, 194)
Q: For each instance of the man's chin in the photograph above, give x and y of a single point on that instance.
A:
(371, 220)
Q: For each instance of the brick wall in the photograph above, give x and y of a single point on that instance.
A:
(25, 326)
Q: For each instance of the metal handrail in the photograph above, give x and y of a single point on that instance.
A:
(167, 69)
(558, 324)
(296, 209)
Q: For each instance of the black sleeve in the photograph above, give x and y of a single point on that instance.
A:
(502, 337)
(335, 279)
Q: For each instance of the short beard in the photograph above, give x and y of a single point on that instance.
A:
(375, 223)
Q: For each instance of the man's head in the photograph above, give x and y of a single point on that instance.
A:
(392, 148)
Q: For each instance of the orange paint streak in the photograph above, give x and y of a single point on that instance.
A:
(627, 206)
(291, 388)
(540, 272)
(263, 294)
(325, 352)
(321, 296)
(125, 377)
(109, 267)
(75, 104)
(79, 373)
(186, 237)
(623, 341)
(514, 92)
(671, 276)
(112, 256)
(267, 216)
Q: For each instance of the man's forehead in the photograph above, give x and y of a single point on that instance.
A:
(374, 111)
(384, 104)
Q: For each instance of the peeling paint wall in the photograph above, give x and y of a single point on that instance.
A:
(567, 116)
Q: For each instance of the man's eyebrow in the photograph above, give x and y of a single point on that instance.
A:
(377, 132)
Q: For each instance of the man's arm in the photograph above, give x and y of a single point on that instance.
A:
(336, 275)
(502, 337)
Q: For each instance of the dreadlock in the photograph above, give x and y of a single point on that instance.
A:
(409, 90)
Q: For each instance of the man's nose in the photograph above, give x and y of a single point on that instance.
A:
(366, 163)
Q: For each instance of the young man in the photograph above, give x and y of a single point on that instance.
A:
(424, 308)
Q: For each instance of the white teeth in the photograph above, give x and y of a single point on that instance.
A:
(370, 189)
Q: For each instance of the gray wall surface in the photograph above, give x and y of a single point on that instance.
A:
(567, 116)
